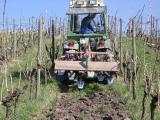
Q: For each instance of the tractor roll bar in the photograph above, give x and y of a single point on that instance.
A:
(86, 10)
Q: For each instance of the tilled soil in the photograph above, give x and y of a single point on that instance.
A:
(99, 106)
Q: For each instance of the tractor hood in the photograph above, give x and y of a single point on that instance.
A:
(77, 36)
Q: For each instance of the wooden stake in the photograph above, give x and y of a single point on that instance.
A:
(115, 31)
(20, 75)
(14, 39)
(121, 59)
(134, 56)
(30, 32)
(159, 92)
(11, 82)
(5, 75)
(3, 39)
(108, 23)
(39, 57)
(2, 88)
(50, 27)
(53, 46)
(45, 76)
(157, 35)
(31, 84)
(32, 38)
(129, 29)
(7, 38)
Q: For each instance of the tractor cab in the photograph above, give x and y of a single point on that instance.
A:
(78, 21)
(88, 48)
(81, 25)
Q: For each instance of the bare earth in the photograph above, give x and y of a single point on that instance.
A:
(98, 106)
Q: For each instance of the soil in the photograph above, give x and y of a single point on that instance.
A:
(98, 106)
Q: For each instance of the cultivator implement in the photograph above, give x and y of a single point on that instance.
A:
(86, 66)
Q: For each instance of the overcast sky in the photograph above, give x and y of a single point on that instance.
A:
(122, 8)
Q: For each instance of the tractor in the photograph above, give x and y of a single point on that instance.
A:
(87, 54)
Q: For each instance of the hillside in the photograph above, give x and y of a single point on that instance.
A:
(95, 101)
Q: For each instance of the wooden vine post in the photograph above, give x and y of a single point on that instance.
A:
(50, 27)
(157, 37)
(40, 27)
(53, 46)
(153, 105)
(134, 57)
(147, 92)
(141, 26)
(14, 39)
(3, 38)
(2, 84)
(129, 29)
(32, 31)
(121, 45)
(158, 92)
(115, 32)
(108, 23)
(7, 38)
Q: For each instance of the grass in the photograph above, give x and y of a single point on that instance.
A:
(30, 109)
(135, 107)
(27, 109)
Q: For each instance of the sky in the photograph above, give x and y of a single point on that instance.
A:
(122, 8)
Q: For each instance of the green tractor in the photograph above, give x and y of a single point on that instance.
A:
(87, 52)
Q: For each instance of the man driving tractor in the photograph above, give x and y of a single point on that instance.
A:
(88, 24)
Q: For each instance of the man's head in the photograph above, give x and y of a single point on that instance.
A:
(92, 15)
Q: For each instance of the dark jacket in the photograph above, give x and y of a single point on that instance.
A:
(86, 23)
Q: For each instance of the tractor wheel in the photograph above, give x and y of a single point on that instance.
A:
(72, 78)
(80, 83)
(111, 78)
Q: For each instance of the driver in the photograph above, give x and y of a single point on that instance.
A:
(86, 25)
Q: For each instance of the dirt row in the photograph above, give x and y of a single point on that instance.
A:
(98, 106)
